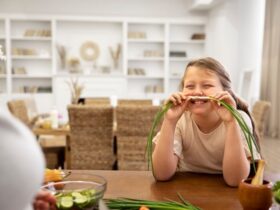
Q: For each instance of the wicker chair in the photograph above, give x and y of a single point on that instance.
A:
(135, 102)
(260, 113)
(133, 126)
(91, 137)
(19, 110)
(95, 101)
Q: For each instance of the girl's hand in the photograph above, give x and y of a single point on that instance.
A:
(180, 101)
(44, 201)
(224, 114)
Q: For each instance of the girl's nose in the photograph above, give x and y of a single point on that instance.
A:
(198, 91)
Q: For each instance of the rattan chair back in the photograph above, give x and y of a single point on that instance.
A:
(260, 114)
(133, 126)
(97, 101)
(19, 110)
(135, 102)
(91, 137)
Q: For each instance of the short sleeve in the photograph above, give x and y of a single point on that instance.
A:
(177, 145)
(245, 144)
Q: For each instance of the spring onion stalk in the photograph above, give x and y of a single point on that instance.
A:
(244, 127)
(135, 204)
(158, 117)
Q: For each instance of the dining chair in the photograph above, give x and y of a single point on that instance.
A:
(133, 102)
(91, 137)
(98, 101)
(133, 126)
(260, 113)
(18, 108)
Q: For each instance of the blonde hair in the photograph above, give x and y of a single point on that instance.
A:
(216, 67)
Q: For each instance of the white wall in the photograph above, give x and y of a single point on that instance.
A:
(147, 8)
(222, 41)
(235, 34)
(252, 15)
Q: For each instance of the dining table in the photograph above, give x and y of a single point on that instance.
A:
(206, 191)
(64, 157)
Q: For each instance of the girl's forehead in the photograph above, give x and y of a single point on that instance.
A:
(201, 72)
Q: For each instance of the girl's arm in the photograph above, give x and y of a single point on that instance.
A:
(164, 160)
(236, 166)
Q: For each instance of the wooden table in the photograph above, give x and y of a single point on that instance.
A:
(203, 190)
(65, 157)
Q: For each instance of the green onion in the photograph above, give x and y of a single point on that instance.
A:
(135, 204)
(244, 127)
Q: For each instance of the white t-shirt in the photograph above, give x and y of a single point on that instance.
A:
(202, 152)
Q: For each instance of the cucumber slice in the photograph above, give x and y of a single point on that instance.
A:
(80, 200)
(76, 194)
(66, 202)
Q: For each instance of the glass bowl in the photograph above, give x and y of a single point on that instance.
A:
(78, 194)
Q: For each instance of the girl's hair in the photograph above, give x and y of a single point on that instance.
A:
(217, 68)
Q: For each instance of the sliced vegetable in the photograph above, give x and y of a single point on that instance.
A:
(76, 200)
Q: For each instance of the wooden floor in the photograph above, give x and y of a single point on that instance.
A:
(271, 152)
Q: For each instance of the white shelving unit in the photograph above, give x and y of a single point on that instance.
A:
(31, 55)
(145, 68)
(3, 69)
(181, 40)
(145, 59)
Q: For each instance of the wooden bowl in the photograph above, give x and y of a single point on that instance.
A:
(255, 197)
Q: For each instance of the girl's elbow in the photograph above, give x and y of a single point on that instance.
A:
(233, 181)
(163, 177)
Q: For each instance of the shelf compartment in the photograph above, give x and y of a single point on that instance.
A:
(185, 31)
(146, 31)
(141, 88)
(30, 28)
(31, 85)
(145, 50)
(138, 68)
(31, 38)
(103, 34)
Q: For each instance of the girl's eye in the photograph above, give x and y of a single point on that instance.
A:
(207, 86)
(189, 86)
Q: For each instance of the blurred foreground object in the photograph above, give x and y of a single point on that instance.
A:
(22, 165)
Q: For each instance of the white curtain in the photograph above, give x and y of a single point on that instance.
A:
(270, 81)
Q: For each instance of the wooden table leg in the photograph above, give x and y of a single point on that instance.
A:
(68, 153)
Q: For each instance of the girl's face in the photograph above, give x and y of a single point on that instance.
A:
(201, 82)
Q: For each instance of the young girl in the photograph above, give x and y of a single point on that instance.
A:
(199, 135)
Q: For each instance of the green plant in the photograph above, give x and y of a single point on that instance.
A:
(135, 204)
(276, 191)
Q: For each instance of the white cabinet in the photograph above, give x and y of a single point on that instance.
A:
(31, 56)
(186, 42)
(145, 59)
(3, 69)
(88, 42)
(126, 57)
